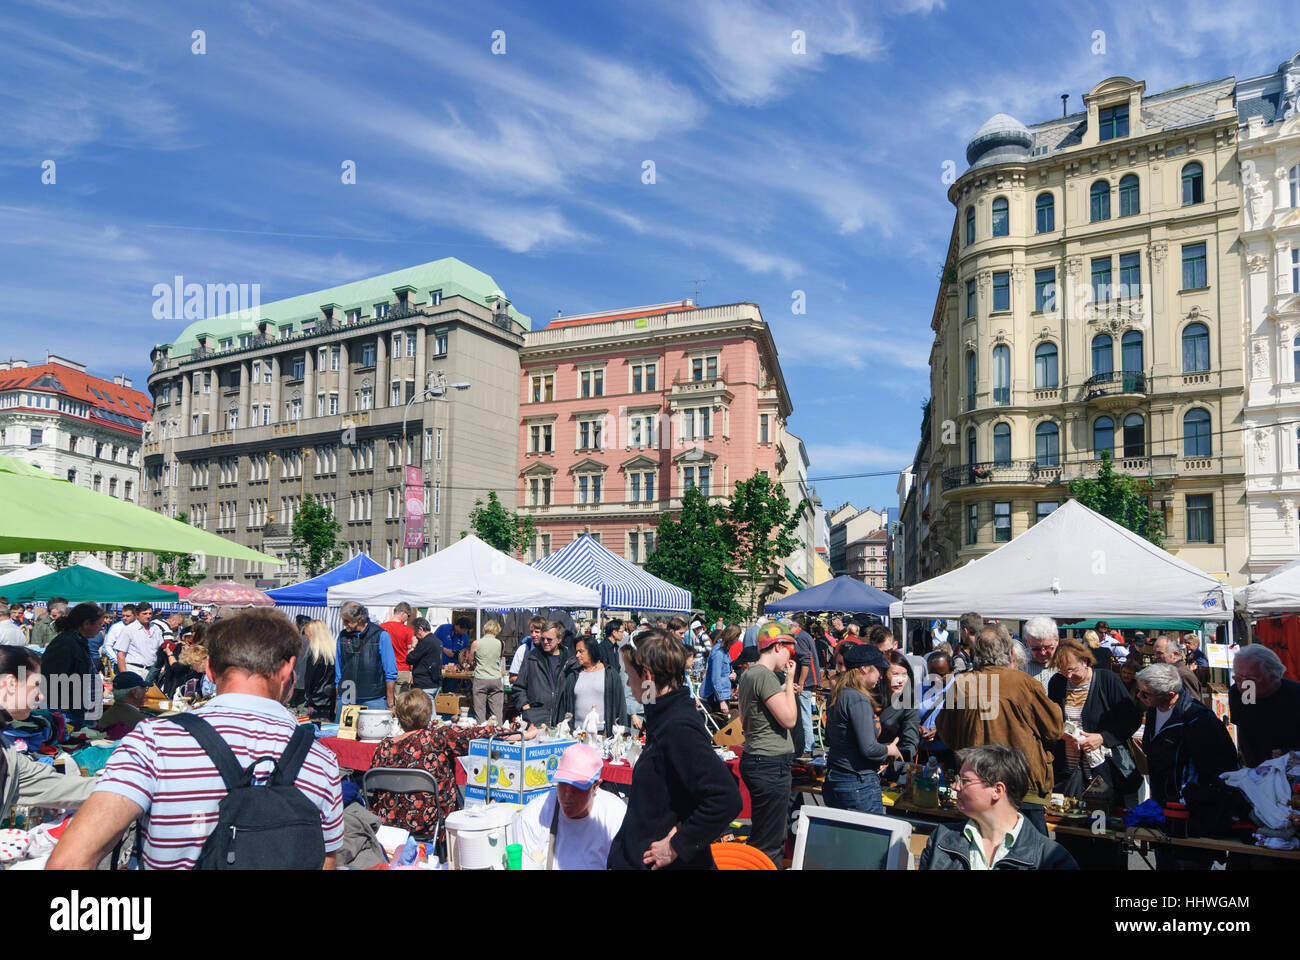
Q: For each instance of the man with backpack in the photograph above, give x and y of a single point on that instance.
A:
(186, 774)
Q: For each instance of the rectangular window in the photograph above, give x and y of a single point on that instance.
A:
(633, 547)
(1045, 289)
(970, 298)
(972, 522)
(650, 376)
(546, 438)
(1295, 269)
(704, 480)
(334, 358)
(533, 488)
(1130, 275)
(688, 478)
(38, 436)
(1112, 122)
(334, 404)
(438, 443)
(299, 368)
(435, 297)
(1194, 277)
(381, 310)
(439, 344)
(704, 422)
(1100, 279)
(1002, 290)
(395, 395)
(636, 486)
(762, 428)
(649, 486)
(1002, 521)
(411, 342)
(537, 389)
(437, 497)
(636, 379)
(353, 316)
(688, 424)
(584, 435)
(1043, 508)
(546, 491)
(598, 383)
(1200, 518)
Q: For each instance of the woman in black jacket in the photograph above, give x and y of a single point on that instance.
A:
(613, 705)
(318, 691)
(425, 660)
(683, 797)
(70, 677)
(1105, 715)
(900, 716)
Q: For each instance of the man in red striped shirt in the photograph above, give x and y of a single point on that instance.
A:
(160, 772)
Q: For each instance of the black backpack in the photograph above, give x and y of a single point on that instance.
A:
(273, 826)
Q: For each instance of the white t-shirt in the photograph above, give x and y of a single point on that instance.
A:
(1162, 717)
(579, 844)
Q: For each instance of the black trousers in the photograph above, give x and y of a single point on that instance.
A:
(768, 781)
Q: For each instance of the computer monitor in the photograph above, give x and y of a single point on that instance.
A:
(828, 839)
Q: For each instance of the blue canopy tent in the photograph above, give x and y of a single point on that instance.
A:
(841, 595)
(308, 598)
(622, 585)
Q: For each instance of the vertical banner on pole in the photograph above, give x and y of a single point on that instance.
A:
(414, 508)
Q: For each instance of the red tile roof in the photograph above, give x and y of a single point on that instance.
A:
(101, 395)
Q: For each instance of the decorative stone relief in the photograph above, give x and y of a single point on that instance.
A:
(1258, 263)
(1158, 250)
(1262, 437)
(1259, 360)
(1288, 516)
(984, 277)
(1073, 267)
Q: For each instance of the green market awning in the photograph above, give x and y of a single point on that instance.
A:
(1138, 623)
(39, 511)
(84, 585)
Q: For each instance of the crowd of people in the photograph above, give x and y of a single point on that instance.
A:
(1012, 719)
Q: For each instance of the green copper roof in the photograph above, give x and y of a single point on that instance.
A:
(449, 275)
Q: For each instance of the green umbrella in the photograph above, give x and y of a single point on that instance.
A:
(82, 584)
(41, 512)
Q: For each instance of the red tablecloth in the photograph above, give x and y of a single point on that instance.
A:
(358, 755)
(352, 754)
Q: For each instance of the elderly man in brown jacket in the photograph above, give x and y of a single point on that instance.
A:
(996, 703)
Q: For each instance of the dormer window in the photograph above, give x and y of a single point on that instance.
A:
(381, 310)
(1112, 122)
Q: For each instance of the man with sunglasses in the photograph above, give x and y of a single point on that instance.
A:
(990, 788)
(539, 677)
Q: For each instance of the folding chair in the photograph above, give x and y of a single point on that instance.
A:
(405, 780)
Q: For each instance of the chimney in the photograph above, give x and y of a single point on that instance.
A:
(117, 379)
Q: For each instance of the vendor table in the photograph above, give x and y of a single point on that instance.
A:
(358, 755)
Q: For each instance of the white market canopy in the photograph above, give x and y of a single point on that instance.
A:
(92, 562)
(1278, 591)
(467, 574)
(29, 572)
(1073, 564)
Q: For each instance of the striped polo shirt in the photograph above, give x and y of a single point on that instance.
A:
(163, 770)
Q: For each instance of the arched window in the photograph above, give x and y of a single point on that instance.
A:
(1129, 200)
(970, 446)
(1001, 217)
(1130, 348)
(1047, 445)
(1045, 209)
(1103, 436)
(1193, 184)
(1001, 445)
(1100, 201)
(970, 225)
(1196, 433)
(970, 379)
(1196, 348)
(1045, 366)
(1002, 374)
(1103, 355)
(1135, 436)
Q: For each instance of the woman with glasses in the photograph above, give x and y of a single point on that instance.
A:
(1103, 715)
(855, 754)
(990, 787)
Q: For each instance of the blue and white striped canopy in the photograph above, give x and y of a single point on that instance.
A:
(622, 585)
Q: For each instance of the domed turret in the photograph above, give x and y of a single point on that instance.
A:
(1003, 138)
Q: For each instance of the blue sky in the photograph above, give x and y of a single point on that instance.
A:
(775, 171)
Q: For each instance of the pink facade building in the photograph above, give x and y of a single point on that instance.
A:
(620, 412)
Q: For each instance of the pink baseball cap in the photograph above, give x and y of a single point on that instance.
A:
(580, 766)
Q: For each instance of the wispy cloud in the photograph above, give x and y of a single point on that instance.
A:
(827, 458)
(752, 49)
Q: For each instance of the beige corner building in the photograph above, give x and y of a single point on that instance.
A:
(1091, 301)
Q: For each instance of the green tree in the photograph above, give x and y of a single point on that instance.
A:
(315, 538)
(694, 551)
(1122, 498)
(58, 559)
(499, 528)
(172, 568)
(761, 532)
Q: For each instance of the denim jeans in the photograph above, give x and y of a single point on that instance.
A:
(848, 791)
(768, 781)
(806, 719)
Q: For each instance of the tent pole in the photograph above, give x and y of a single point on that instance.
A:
(1229, 632)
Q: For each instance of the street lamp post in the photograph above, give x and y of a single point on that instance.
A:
(435, 388)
